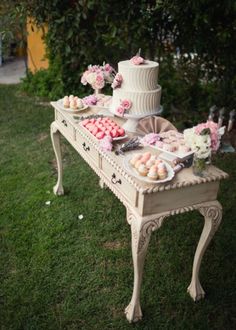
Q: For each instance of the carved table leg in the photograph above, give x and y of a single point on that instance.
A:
(133, 310)
(141, 229)
(55, 136)
(212, 213)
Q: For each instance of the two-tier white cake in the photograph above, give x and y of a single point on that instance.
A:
(137, 86)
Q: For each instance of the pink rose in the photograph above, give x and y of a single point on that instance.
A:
(115, 84)
(119, 77)
(120, 111)
(137, 60)
(99, 82)
(108, 68)
(214, 133)
(117, 81)
(84, 78)
(126, 104)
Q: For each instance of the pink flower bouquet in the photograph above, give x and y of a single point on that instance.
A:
(97, 75)
(204, 138)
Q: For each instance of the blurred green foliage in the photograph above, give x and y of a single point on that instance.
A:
(201, 32)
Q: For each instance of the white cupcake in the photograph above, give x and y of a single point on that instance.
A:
(73, 104)
(66, 102)
(79, 103)
(142, 169)
(135, 158)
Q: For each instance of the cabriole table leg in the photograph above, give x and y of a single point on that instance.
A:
(212, 212)
(133, 310)
(55, 136)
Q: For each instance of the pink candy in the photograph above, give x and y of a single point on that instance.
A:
(101, 127)
(100, 135)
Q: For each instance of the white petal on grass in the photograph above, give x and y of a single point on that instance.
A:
(80, 217)
(48, 202)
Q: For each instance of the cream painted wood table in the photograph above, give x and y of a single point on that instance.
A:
(147, 205)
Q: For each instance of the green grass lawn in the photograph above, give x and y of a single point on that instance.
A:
(61, 272)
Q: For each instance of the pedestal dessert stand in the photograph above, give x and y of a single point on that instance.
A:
(132, 120)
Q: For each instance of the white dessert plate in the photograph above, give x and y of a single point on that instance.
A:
(69, 110)
(174, 154)
(132, 171)
(120, 137)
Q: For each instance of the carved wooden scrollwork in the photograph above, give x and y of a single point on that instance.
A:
(213, 212)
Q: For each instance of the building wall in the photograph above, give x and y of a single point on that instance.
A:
(36, 49)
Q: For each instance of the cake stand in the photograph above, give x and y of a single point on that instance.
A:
(132, 120)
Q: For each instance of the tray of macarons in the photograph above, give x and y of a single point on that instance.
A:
(148, 167)
(102, 126)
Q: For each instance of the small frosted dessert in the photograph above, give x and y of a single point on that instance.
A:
(162, 171)
(79, 103)
(135, 158)
(71, 97)
(158, 161)
(142, 169)
(73, 104)
(151, 161)
(66, 102)
(153, 173)
(173, 142)
(146, 156)
(138, 163)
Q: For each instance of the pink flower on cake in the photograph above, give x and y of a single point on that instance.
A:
(126, 104)
(120, 111)
(137, 60)
(117, 81)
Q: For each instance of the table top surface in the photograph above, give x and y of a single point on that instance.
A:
(182, 179)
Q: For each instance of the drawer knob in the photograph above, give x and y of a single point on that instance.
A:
(114, 180)
(86, 148)
(64, 122)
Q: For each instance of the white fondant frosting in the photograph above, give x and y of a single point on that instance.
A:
(141, 77)
(140, 86)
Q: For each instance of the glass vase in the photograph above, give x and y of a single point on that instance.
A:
(97, 91)
(199, 166)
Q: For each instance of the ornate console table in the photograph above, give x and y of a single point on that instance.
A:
(147, 205)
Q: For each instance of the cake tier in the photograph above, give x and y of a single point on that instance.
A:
(143, 103)
(141, 77)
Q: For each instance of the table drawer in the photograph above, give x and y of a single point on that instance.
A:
(67, 127)
(86, 148)
(120, 182)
